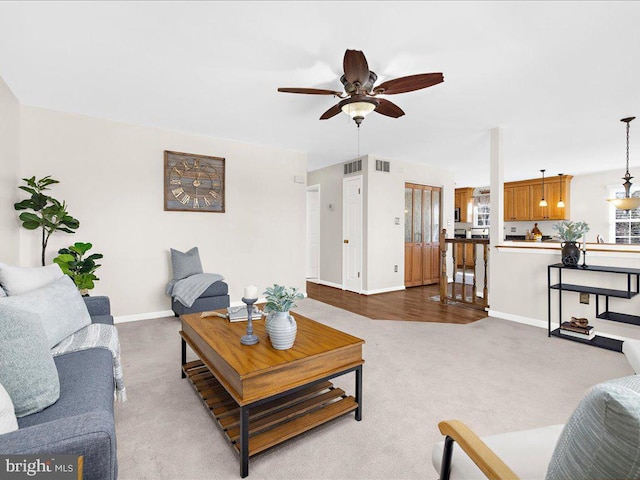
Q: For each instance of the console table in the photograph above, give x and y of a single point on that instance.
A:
(633, 289)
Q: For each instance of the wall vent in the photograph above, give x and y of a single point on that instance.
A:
(382, 166)
(352, 167)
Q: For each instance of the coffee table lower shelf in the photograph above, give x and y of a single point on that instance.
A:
(271, 422)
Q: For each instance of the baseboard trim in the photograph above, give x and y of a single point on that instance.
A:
(534, 322)
(143, 316)
(384, 290)
(542, 324)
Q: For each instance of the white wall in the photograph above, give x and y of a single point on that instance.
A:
(111, 177)
(385, 203)
(9, 174)
(589, 194)
(383, 245)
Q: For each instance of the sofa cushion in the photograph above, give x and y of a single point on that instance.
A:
(215, 290)
(28, 371)
(602, 437)
(8, 421)
(86, 385)
(59, 306)
(17, 280)
(185, 264)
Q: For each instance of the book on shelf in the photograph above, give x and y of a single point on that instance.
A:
(240, 314)
(573, 328)
(569, 330)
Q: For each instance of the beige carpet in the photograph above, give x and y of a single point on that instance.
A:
(493, 374)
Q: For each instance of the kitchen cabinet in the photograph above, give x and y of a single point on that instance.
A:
(464, 201)
(517, 203)
(522, 199)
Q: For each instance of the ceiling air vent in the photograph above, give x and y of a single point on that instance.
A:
(352, 167)
(382, 166)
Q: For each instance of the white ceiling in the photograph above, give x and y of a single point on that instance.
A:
(557, 76)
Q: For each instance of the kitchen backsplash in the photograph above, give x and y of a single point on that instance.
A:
(521, 228)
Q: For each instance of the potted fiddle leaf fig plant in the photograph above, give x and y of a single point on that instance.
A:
(280, 325)
(49, 214)
(81, 270)
(570, 232)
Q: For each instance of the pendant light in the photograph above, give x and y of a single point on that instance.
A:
(628, 202)
(560, 202)
(543, 202)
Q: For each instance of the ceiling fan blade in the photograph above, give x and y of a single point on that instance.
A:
(332, 112)
(356, 68)
(309, 91)
(409, 84)
(390, 109)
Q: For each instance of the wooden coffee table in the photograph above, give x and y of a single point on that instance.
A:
(261, 397)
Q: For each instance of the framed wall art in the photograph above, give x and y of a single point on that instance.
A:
(193, 183)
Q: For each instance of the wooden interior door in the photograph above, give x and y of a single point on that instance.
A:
(421, 235)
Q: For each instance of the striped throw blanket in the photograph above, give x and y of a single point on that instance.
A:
(97, 335)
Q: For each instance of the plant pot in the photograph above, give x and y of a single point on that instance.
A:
(281, 328)
(570, 254)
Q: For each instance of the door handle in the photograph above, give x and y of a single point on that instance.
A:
(346, 241)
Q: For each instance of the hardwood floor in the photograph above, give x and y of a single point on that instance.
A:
(412, 304)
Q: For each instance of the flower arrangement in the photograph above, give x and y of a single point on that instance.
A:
(571, 231)
(280, 298)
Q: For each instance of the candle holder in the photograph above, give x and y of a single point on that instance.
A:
(249, 338)
(584, 257)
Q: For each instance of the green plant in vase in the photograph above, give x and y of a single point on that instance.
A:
(81, 270)
(48, 214)
(280, 325)
(570, 232)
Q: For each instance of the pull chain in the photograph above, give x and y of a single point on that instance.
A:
(359, 143)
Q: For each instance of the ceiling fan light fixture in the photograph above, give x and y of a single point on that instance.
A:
(628, 202)
(358, 108)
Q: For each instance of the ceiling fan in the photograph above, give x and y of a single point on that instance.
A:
(360, 96)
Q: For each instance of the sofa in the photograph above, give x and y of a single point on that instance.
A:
(81, 421)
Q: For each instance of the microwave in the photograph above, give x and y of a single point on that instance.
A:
(456, 215)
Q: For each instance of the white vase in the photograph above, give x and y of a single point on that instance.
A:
(282, 330)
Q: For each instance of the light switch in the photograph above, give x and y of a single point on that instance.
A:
(396, 220)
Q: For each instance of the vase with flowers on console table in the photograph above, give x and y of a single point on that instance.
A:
(570, 232)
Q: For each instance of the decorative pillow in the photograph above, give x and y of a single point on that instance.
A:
(59, 306)
(8, 421)
(602, 437)
(28, 371)
(185, 264)
(17, 280)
